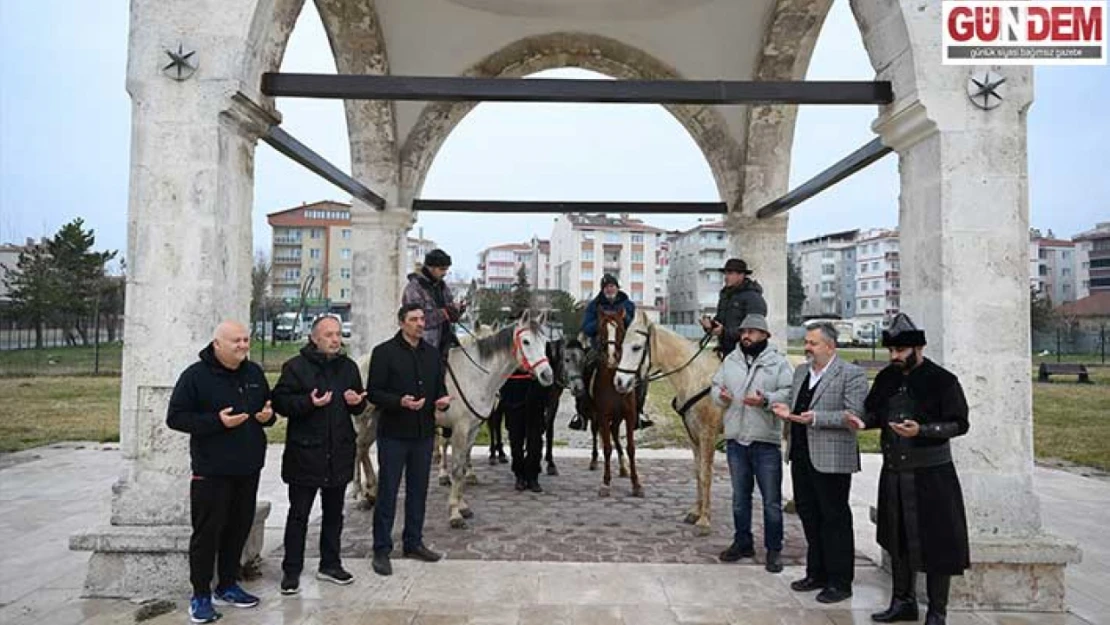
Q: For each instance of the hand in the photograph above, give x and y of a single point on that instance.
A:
(805, 418)
(906, 429)
(443, 403)
(411, 403)
(706, 323)
(462, 306)
(725, 395)
(717, 328)
(754, 398)
(352, 398)
(853, 422)
(232, 420)
(264, 415)
(320, 400)
(781, 410)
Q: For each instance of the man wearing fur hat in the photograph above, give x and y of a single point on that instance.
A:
(921, 521)
(428, 288)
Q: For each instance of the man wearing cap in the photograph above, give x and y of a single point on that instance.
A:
(740, 297)
(921, 520)
(749, 380)
(428, 288)
(610, 300)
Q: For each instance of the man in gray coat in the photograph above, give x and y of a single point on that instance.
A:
(750, 379)
(823, 455)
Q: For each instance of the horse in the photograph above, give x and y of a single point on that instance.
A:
(612, 406)
(648, 345)
(574, 366)
(472, 382)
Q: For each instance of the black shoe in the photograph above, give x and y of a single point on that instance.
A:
(644, 422)
(381, 564)
(806, 584)
(833, 595)
(901, 609)
(577, 423)
(935, 618)
(735, 552)
(521, 484)
(420, 552)
(534, 486)
(290, 583)
(774, 562)
(335, 575)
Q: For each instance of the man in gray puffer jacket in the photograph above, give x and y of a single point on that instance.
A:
(749, 380)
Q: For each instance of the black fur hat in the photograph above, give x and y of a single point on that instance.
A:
(903, 333)
(437, 258)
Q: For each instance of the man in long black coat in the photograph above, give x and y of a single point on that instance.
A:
(921, 520)
(318, 391)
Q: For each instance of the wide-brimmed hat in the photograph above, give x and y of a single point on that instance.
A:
(755, 322)
(437, 258)
(903, 333)
(736, 264)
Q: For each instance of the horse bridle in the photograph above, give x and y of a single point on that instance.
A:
(652, 377)
(518, 353)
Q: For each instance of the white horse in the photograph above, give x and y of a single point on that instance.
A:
(647, 346)
(473, 386)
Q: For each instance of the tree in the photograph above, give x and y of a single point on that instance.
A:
(522, 293)
(260, 282)
(1041, 315)
(489, 306)
(795, 292)
(568, 312)
(81, 271)
(34, 288)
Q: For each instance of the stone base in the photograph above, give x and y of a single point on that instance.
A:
(1009, 574)
(143, 561)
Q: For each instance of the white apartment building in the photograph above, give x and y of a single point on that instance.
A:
(1053, 265)
(498, 264)
(827, 264)
(586, 247)
(878, 276)
(418, 247)
(537, 262)
(694, 279)
(1092, 251)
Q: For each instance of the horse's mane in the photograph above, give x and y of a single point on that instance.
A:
(705, 365)
(502, 341)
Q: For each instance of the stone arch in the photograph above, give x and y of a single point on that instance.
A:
(571, 49)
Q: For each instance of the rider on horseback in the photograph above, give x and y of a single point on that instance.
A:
(611, 299)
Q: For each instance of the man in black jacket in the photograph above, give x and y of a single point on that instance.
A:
(740, 297)
(318, 391)
(222, 402)
(921, 520)
(405, 372)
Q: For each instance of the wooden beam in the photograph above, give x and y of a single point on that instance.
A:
(854, 162)
(285, 143)
(515, 206)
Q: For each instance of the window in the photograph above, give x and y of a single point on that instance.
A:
(345, 253)
(637, 276)
(863, 286)
(345, 273)
(346, 233)
(874, 266)
(637, 238)
(1042, 270)
(637, 257)
(1042, 254)
(315, 233)
(314, 252)
(586, 294)
(875, 303)
(313, 271)
(587, 274)
(828, 270)
(862, 304)
(587, 254)
(637, 296)
(587, 235)
(874, 285)
(614, 237)
(827, 254)
(862, 267)
(293, 274)
(1064, 255)
(1065, 271)
(344, 293)
(714, 277)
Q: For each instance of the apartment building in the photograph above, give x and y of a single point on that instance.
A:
(694, 279)
(586, 247)
(1092, 251)
(498, 265)
(311, 250)
(417, 248)
(878, 276)
(1052, 267)
(827, 264)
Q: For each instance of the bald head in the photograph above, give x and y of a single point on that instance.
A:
(327, 336)
(232, 343)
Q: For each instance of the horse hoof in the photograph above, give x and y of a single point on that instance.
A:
(365, 504)
(466, 513)
(690, 519)
(551, 470)
(593, 465)
(471, 480)
(702, 530)
(458, 524)
(444, 481)
(603, 491)
(637, 491)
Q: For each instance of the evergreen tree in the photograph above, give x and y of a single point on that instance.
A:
(34, 289)
(522, 293)
(81, 271)
(795, 292)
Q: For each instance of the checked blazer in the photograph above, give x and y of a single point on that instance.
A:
(832, 445)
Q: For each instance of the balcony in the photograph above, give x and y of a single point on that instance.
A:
(890, 256)
(282, 281)
(287, 240)
(892, 275)
(892, 292)
(287, 260)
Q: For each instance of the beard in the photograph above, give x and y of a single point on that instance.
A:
(753, 348)
(909, 363)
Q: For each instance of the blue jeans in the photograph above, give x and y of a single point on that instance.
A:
(756, 462)
(413, 459)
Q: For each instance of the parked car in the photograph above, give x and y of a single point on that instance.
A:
(288, 327)
(346, 326)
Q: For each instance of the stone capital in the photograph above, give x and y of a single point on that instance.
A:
(902, 127)
(366, 217)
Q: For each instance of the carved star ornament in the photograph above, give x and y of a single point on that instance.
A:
(182, 64)
(986, 89)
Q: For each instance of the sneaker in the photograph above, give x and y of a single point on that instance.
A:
(234, 595)
(290, 584)
(201, 610)
(335, 575)
(735, 552)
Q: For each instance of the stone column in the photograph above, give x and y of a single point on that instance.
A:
(762, 244)
(964, 223)
(189, 265)
(378, 273)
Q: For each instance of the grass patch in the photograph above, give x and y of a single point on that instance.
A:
(39, 411)
(70, 361)
(1072, 421)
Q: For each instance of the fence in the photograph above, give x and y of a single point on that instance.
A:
(1073, 344)
(61, 345)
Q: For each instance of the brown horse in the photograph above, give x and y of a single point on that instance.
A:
(611, 407)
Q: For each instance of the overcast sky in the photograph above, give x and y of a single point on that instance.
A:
(65, 118)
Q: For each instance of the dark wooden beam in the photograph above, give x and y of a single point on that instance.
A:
(514, 206)
(285, 143)
(460, 88)
(847, 166)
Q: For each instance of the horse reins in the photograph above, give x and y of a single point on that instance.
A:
(518, 354)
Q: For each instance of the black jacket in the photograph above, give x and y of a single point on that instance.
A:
(202, 391)
(398, 369)
(320, 442)
(734, 304)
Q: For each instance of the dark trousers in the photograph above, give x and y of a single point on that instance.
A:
(296, 526)
(526, 425)
(904, 584)
(822, 503)
(748, 464)
(413, 458)
(222, 509)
